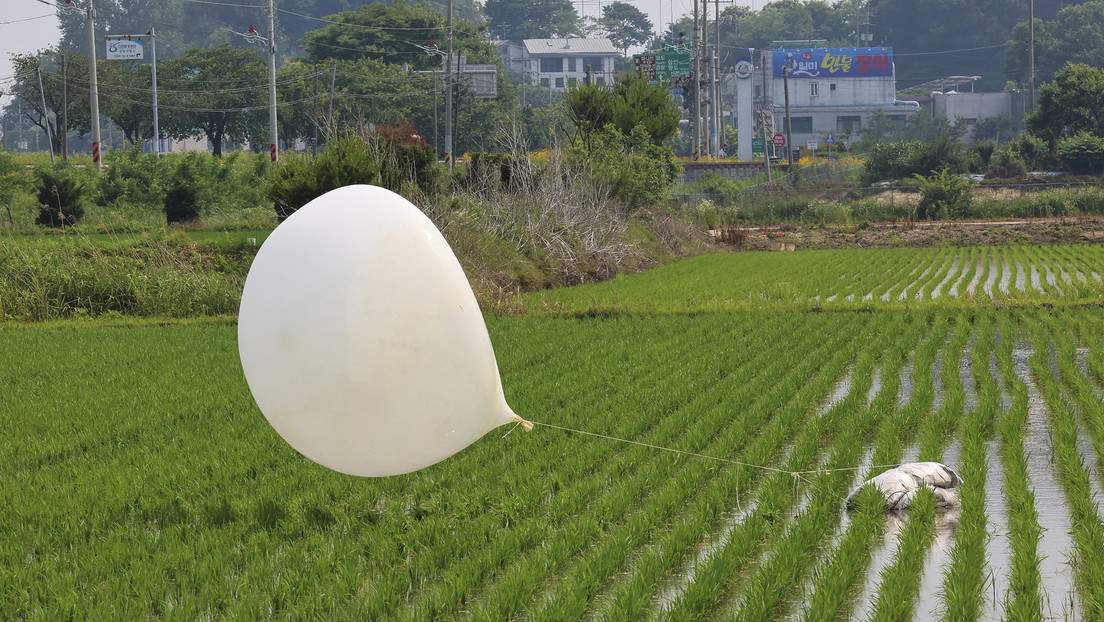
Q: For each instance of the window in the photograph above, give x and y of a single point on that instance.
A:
(832, 86)
(559, 83)
(600, 81)
(814, 89)
(594, 62)
(799, 125)
(544, 82)
(571, 62)
(572, 81)
(551, 65)
(848, 123)
(758, 91)
(898, 121)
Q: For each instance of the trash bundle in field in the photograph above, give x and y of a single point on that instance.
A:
(900, 485)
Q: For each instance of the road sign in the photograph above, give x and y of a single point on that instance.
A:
(831, 140)
(811, 145)
(124, 49)
(779, 140)
(645, 64)
(757, 145)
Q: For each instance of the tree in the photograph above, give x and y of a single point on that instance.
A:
(532, 19)
(220, 92)
(1069, 105)
(631, 103)
(976, 29)
(392, 34)
(1073, 35)
(589, 108)
(637, 102)
(126, 97)
(28, 97)
(625, 25)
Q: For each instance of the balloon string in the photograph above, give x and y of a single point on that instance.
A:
(693, 454)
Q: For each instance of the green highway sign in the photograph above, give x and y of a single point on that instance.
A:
(662, 66)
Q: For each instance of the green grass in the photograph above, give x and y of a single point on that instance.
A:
(862, 280)
(139, 480)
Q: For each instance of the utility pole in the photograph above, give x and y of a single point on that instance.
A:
(697, 85)
(153, 61)
(64, 131)
(45, 113)
(314, 105)
(255, 37)
(272, 150)
(448, 93)
(715, 136)
(93, 86)
(1031, 56)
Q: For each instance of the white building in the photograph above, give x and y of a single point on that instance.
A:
(831, 91)
(556, 63)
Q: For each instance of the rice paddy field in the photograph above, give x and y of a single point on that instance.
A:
(138, 479)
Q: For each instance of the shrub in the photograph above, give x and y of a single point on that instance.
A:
(891, 160)
(1082, 154)
(353, 159)
(1005, 163)
(944, 195)
(945, 153)
(637, 173)
(60, 196)
(1031, 150)
(180, 202)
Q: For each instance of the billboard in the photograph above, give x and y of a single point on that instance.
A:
(834, 62)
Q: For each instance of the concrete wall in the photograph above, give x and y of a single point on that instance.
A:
(692, 171)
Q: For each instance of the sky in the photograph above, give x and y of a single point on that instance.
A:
(30, 25)
(25, 26)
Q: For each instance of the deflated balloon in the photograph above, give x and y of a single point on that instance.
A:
(362, 341)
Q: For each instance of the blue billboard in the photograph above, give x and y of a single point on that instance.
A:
(834, 62)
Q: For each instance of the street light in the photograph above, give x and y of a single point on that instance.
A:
(255, 37)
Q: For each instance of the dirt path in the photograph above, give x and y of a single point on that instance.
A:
(928, 233)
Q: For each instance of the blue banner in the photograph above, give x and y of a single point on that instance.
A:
(834, 62)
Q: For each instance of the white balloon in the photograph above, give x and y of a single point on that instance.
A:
(362, 341)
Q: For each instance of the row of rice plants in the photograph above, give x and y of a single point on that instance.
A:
(683, 431)
(792, 553)
(467, 572)
(1023, 600)
(1079, 387)
(595, 567)
(836, 574)
(964, 582)
(899, 582)
(716, 574)
(882, 278)
(159, 441)
(1087, 528)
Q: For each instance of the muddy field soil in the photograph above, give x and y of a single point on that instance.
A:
(918, 234)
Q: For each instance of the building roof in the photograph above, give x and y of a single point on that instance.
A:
(596, 47)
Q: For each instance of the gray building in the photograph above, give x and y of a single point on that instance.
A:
(556, 63)
(831, 91)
